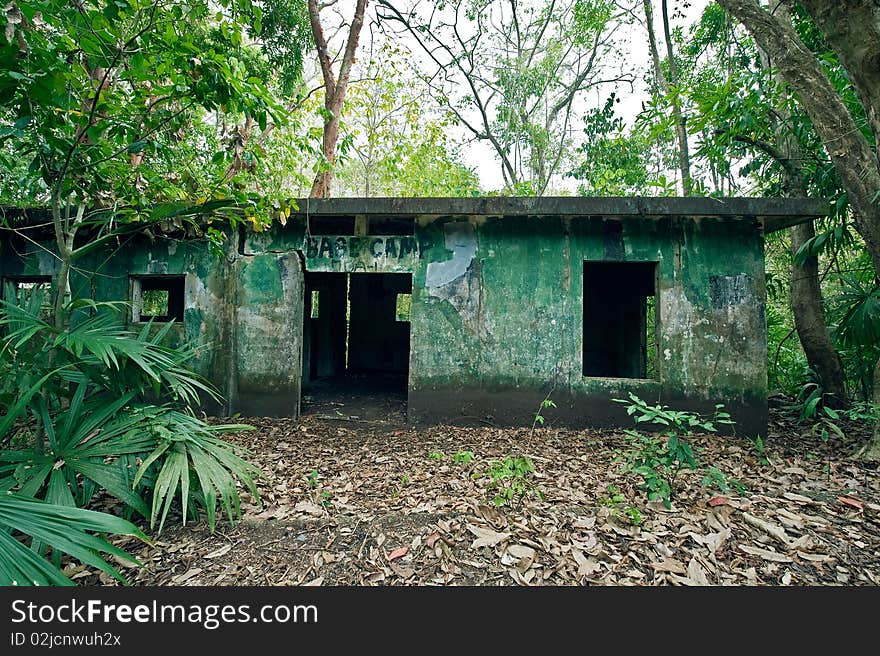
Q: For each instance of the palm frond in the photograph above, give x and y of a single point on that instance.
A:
(64, 529)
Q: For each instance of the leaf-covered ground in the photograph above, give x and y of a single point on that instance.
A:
(349, 501)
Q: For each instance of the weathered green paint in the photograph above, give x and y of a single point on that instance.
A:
(497, 292)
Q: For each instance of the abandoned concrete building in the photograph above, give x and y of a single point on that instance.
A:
(479, 308)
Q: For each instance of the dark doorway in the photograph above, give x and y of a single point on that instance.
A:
(356, 343)
(619, 319)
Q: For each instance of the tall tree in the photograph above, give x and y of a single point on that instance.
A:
(399, 145)
(100, 97)
(512, 71)
(335, 87)
(751, 111)
(807, 303)
(853, 155)
(667, 81)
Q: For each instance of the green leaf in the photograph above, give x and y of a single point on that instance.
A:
(62, 528)
(23, 122)
(137, 146)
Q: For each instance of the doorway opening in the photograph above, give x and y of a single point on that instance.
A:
(356, 332)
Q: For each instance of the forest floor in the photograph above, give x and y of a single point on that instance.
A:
(348, 500)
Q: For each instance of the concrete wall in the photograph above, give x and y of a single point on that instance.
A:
(497, 319)
(243, 311)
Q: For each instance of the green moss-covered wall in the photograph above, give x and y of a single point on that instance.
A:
(497, 318)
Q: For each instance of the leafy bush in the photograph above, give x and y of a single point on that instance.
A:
(65, 530)
(463, 457)
(660, 458)
(621, 509)
(510, 479)
(98, 406)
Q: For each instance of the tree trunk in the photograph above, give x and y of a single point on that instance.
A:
(852, 29)
(851, 154)
(809, 319)
(854, 160)
(322, 186)
(334, 89)
(807, 304)
(665, 84)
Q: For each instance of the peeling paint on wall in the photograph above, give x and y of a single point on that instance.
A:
(459, 280)
(461, 239)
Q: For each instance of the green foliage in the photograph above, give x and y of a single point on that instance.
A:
(864, 411)
(810, 408)
(517, 77)
(617, 502)
(659, 459)
(98, 350)
(190, 457)
(159, 67)
(463, 457)
(545, 404)
(394, 143)
(435, 455)
(760, 450)
(283, 30)
(716, 478)
(78, 419)
(509, 479)
(63, 529)
(613, 161)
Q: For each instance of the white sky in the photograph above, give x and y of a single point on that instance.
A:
(481, 157)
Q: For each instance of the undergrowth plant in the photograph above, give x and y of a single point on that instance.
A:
(659, 458)
(463, 457)
(620, 507)
(546, 403)
(510, 480)
(90, 407)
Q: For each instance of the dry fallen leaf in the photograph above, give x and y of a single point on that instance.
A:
(586, 566)
(670, 565)
(765, 554)
(520, 551)
(431, 539)
(486, 537)
(186, 576)
(398, 553)
(309, 508)
(855, 503)
(222, 551)
(773, 530)
(584, 522)
(696, 573)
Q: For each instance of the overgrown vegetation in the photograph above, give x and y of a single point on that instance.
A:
(659, 458)
(198, 116)
(96, 409)
(510, 479)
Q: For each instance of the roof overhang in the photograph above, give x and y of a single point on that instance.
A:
(772, 213)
